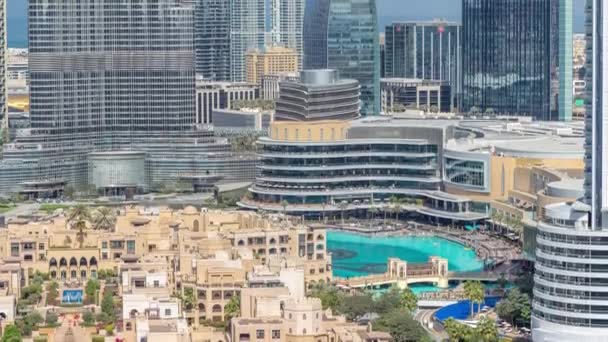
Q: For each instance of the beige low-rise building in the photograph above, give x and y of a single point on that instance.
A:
(302, 320)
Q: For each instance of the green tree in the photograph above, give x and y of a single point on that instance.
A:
(343, 206)
(233, 307)
(51, 318)
(104, 219)
(486, 330)
(515, 308)
(78, 217)
(408, 300)
(284, 205)
(388, 301)
(107, 304)
(474, 291)
(52, 293)
(457, 332)
(12, 334)
(88, 318)
(401, 325)
(395, 204)
(109, 329)
(356, 306)
(102, 317)
(91, 289)
(474, 110)
(188, 299)
(33, 318)
(330, 297)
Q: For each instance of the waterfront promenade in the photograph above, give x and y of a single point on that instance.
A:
(492, 250)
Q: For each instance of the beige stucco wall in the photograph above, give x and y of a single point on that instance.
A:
(317, 131)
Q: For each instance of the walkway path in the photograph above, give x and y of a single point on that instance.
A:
(67, 332)
(425, 318)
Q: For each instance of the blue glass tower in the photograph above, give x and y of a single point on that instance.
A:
(507, 53)
(353, 47)
(566, 14)
(315, 34)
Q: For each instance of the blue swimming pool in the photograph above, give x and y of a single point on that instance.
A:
(358, 255)
(462, 309)
(72, 297)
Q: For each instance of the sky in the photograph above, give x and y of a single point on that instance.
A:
(388, 11)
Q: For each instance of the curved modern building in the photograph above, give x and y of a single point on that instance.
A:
(329, 167)
(319, 95)
(571, 277)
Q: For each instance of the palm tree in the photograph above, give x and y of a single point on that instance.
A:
(233, 307)
(486, 330)
(474, 110)
(77, 218)
(474, 291)
(104, 219)
(284, 205)
(395, 203)
(343, 206)
(323, 205)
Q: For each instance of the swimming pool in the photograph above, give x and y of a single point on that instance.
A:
(357, 255)
(72, 297)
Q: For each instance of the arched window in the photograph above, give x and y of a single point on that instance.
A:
(83, 261)
(273, 241)
(304, 316)
(195, 226)
(241, 243)
(93, 261)
(53, 262)
(63, 262)
(73, 262)
(217, 308)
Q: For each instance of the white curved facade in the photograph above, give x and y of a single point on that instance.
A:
(571, 278)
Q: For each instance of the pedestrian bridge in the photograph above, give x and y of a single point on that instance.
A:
(402, 274)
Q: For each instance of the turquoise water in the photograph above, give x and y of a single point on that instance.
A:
(357, 255)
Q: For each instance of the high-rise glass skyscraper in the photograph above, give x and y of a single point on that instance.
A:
(566, 17)
(596, 121)
(353, 47)
(287, 21)
(112, 76)
(212, 39)
(315, 34)
(424, 50)
(506, 56)
(91, 76)
(570, 283)
(247, 32)
(3, 97)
